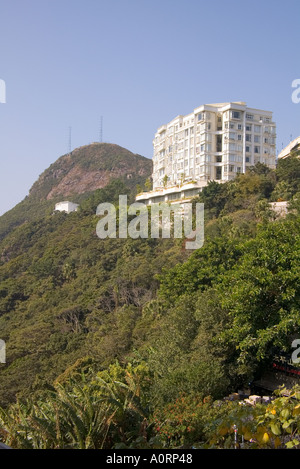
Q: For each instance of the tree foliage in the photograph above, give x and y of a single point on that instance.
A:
(158, 322)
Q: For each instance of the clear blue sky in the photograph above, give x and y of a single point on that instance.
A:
(137, 63)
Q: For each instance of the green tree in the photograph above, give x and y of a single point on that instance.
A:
(288, 170)
(263, 304)
(148, 184)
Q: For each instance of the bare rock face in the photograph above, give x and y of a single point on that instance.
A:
(89, 168)
(78, 181)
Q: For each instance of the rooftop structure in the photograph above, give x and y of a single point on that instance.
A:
(66, 206)
(292, 146)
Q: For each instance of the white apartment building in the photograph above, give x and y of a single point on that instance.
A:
(214, 142)
(292, 146)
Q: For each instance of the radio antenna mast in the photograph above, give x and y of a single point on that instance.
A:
(70, 140)
(101, 130)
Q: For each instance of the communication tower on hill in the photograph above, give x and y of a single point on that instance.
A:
(101, 130)
(70, 140)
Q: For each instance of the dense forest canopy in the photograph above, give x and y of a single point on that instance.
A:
(139, 330)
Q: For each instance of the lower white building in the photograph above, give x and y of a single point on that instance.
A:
(66, 206)
(213, 143)
(280, 208)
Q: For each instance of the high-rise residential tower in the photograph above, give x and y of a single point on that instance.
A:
(214, 142)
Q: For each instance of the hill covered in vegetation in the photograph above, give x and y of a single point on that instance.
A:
(144, 333)
(74, 177)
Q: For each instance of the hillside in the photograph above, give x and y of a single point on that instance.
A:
(75, 176)
(89, 168)
(144, 320)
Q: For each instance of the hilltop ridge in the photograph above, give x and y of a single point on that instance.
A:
(75, 176)
(88, 168)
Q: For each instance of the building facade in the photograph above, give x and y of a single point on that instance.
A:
(214, 142)
(293, 146)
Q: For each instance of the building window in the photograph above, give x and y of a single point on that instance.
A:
(235, 158)
(219, 173)
(248, 138)
(235, 114)
(239, 126)
(256, 149)
(248, 128)
(249, 117)
(257, 138)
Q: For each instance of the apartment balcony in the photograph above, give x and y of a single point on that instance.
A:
(172, 194)
(161, 129)
(271, 133)
(218, 157)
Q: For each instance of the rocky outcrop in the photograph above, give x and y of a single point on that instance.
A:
(89, 168)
